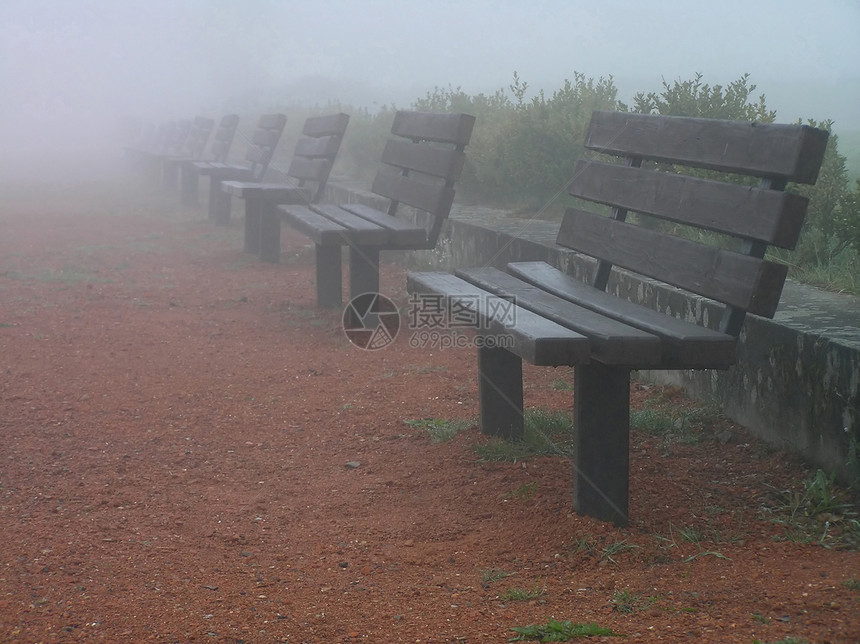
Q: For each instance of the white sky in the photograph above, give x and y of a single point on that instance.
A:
(71, 65)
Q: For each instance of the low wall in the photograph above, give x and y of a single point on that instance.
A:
(796, 383)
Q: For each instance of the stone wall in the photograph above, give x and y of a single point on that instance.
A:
(796, 383)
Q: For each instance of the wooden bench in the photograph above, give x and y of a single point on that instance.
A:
(307, 176)
(168, 139)
(563, 321)
(219, 150)
(193, 148)
(420, 166)
(262, 146)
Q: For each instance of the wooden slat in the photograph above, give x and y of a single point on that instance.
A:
(535, 339)
(326, 125)
(319, 229)
(790, 152)
(272, 122)
(435, 199)
(738, 280)
(403, 234)
(612, 342)
(685, 345)
(309, 169)
(429, 126)
(277, 193)
(361, 231)
(265, 138)
(326, 146)
(771, 216)
(446, 163)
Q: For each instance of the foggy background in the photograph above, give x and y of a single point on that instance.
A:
(72, 71)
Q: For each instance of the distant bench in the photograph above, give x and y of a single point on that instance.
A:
(308, 174)
(261, 147)
(218, 151)
(421, 164)
(557, 320)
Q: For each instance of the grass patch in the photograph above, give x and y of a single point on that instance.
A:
(525, 491)
(545, 433)
(492, 575)
(820, 513)
(852, 584)
(440, 430)
(584, 543)
(627, 603)
(556, 631)
(67, 274)
(674, 424)
(688, 534)
(522, 594)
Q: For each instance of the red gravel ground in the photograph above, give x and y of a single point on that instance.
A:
(192, 451)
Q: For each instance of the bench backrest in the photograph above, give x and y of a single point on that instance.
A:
(423, 162)
(648, 181)
(316, 151)
(263, 142)
(176, 136)
(198, 136)
(223, 137)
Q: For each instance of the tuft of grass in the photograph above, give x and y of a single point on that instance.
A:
(557, 631)
(440, 430)
(522, 594)
(560, 384)
(616, 548)
(545, 433)
(492, 575)
(787, 640)
(852, 584)
(525, 491)
(819, 513)
(626, 603)
(689, 534)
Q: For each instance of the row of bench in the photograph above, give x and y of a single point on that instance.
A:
(666, 204)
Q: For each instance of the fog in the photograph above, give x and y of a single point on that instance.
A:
(73, 71)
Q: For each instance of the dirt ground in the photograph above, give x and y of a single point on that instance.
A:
(192, 451)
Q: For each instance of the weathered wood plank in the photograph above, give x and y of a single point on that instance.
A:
(438, 127)
(361, 231)
(738, 280)
(446, 163)
(771, 216)
(319, 229)
(326, 125)
(685, 345)
(535, 339)
(612, 342)
(403, 233)
(789, 152)
(269, 193)
(436, 199)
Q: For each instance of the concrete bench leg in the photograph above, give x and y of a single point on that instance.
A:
(601, 429)
(270, 236)
(220, 203)
(363, 270)
(500, 392)
(329, 276)
(253, 225)
(190, 187)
